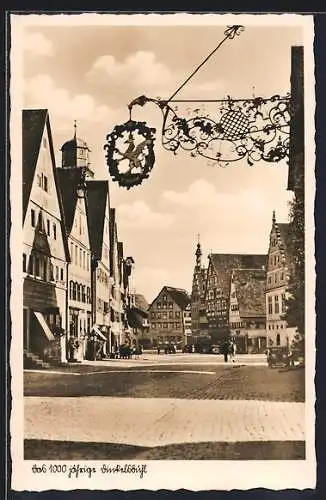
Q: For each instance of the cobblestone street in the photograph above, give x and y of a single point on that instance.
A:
(164, 408)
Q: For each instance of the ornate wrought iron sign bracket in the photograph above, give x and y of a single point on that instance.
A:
(254, 129)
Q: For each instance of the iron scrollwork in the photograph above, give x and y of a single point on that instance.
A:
(253, 129)
(130, 153)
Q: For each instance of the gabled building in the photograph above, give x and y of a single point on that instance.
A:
(198, 306)
(218, 286)
(79, 277)
(45, 248)
(279, 270)
(166, 316)
(98, 203)
(247, 310)
(116, 296)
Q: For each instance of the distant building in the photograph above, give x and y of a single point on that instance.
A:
(280, 267)
(45, 249)
(247, 310)
(221, 267)
(166, 316)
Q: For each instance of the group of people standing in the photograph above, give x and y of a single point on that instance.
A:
(228, 349)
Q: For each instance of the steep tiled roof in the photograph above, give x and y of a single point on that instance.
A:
(34, 121)
(224, 263)
(97, 195)
(179, 295)
(68, 182)
(250, 285)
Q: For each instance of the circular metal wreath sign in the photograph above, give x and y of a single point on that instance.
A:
(130, 153)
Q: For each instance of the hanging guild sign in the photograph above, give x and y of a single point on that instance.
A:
(130, 153)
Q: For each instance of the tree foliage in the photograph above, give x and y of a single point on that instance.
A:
(295, 315)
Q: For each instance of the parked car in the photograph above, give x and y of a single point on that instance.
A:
(216, 349)
(279, 356)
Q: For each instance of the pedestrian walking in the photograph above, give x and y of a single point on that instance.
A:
(232, 350)
(158, 349)
(225, 350)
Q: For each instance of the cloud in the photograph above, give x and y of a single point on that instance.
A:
(139, 70)
(38, 44)
(139, 215)
(141, 73)
(238, 220)
(41, 92)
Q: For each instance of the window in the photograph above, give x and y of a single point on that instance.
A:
(153, 325)
(277, 307)
(177, 314)
(282, 276)
(278, 339)
(164, 315)
(170, 314)
(87, 262)
(71, 289)
(177, 325)
(164, 297)
(275, 278)
(165, 325)
(158, 315)
(76, 255)
(56, 273)
(24, 262)
(84, 294)
(270, 305)
(44, 143)
(48, 227)
(78, 293)
(51, 272)
(45, 183)
(54, 231)
(84, 258)
(61, 274)
(159, 305)
(74, 295)
(170, 305)
(33, 217)
(269, 280)
(234, 307)
(283, 303)
(80, 257)
(88, 295)
(37, 266)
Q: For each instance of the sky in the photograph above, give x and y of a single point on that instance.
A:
(90, 73)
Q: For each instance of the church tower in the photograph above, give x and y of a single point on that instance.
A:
(76, 154)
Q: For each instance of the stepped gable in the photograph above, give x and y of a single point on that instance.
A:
(179, 295)
(97, 193)
(223, 265)
(250, 286)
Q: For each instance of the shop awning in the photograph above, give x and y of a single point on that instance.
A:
(98, 332)
(40, 318)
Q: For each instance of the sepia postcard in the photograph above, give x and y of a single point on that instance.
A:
(162, 248)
